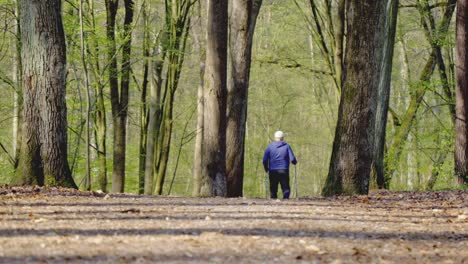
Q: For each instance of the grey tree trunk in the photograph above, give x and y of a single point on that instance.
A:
(197, 158)
(353, 146)
(461, 123)
(215, 94)
(383, 96)
(18, 97)
(43, 159)
(243, 20)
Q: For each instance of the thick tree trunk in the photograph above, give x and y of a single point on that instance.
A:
(461, 123)
(354, 138)
(215, 94)
(44, 156)
(243, 19)
(383, 96)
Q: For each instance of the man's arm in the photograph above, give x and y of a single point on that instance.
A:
(292, 158)
(266, 158)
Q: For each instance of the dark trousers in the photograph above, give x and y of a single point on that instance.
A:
(281, 177)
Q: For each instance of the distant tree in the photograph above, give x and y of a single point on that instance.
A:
(43, 156)
(119, 94)
(461, 123)
(242, 25)
(353, 146)
(437, 36)
(162, 94)
(212, 181)
(98, 67)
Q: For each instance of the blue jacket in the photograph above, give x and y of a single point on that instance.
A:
(277, 156)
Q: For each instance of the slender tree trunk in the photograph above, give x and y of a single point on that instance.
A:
(99, 115)
(354, 138)
(44, 159)
(383, 96)
(119, 97)
(178, 26)
(153, 116)
(88, 97)
(243, 19)
(461, 123)
(215, 94)
(143, 101)
(339, 42)
(197, 161)
(18, 97)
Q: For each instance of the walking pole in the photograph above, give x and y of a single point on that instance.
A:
(295, 181)
(266, 185)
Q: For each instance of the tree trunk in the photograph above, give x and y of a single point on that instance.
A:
(461, 123)
(243, 19)
(43, 159)
(18, 97)
(339, 41)
(119, 97)
(143, 101)
(177, 31)
(153, 117)
(383, 96)
(99, 115)
(83, 52)
(354, 137)
(215, 94)
(197, 158)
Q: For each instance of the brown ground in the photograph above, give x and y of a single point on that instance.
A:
(55, 226)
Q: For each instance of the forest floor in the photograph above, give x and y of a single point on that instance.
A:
(58, 225)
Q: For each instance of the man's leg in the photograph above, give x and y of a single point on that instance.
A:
(274, 180)
(284, 180)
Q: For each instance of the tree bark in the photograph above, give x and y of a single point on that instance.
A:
(197, 158)
(99, 114)
(83, 52)
(144, 120)
(18, 97)
(43, 159)
(353, 146)
(461, 123)
(243, 20)
(215, 94)
(339, 41)
(383, 96)
(119, 97)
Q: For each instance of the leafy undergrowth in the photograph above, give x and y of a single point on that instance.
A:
(60, 225)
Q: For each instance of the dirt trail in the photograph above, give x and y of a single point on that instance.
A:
(57, 225)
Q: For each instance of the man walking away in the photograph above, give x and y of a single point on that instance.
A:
(276, 161)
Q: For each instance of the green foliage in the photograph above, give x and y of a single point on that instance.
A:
(287, 92)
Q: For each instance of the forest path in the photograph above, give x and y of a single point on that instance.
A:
(58, 225)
